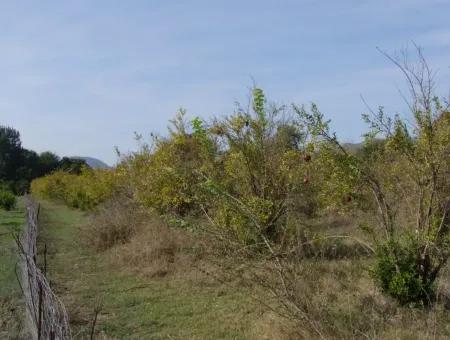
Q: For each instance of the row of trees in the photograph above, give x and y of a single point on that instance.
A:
(258, 175)
(19, 166)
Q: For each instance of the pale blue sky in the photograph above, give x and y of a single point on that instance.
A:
(79, 77)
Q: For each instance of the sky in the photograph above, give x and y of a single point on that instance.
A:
(80, 77)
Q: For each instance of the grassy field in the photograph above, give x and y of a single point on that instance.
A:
(11, 312)
(186, 306)
(339, 294)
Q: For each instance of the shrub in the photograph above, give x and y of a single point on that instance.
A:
(398, 272)
(92, 187)
(264, 166)
(165, 177)
(53, 186)
(7, 200)
(246, 171)
(84, 191)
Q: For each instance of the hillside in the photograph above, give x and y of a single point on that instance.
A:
(94, 163)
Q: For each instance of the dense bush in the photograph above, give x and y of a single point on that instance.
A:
(264, 171)
(7, 200)
(165, 176)
(84, 191)
(398, 273)
(261, 174)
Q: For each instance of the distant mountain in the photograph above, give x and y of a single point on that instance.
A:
(94, 163)
(353, 147)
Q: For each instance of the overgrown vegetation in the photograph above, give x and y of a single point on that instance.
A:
(408, 170)
(84, 190)
(7, 200)
(258, 185)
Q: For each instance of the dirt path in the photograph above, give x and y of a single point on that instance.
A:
(133, 306)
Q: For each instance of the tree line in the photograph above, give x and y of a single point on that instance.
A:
(19, 166)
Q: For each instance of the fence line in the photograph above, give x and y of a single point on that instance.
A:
(46, 315)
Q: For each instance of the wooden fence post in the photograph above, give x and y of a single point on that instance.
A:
(45, 259)
(48, 315)
(40, 312)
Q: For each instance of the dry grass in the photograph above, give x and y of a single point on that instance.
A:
(325, 289)
(183, 304)
(331, 293)
(271, 326)
(332, 299)
(11, 319)
(114, 222)
(138, 240)
(157, 250)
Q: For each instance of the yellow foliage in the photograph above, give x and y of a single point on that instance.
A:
(84, 191)
(167, 179)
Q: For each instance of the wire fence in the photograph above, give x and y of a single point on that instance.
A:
(46, 315)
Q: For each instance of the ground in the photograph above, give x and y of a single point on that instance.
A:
(338, 294)
(11, 309)
(134, 306)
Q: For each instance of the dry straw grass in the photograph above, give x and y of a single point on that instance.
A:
(156, 250)
(114, 222)
(138, 240)
(330, 293)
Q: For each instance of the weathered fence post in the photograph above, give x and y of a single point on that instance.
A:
(46, 313)
(39, 326)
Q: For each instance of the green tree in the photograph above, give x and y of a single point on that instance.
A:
(47, 163)
(262, 167)
(72, 165)
(10, 153)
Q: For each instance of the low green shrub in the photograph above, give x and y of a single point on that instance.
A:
(399, 272)
(7, 200)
